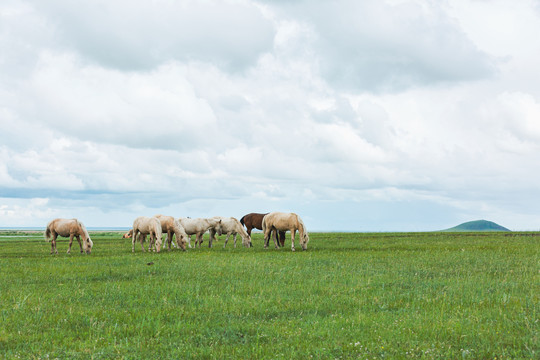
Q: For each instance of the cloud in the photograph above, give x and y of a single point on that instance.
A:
(128, 35)
(158, 109)
(390, 111)
(377, 45)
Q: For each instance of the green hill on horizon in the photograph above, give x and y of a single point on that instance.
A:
(478, 225)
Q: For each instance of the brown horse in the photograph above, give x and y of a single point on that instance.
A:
(71, 228)
(254, 221)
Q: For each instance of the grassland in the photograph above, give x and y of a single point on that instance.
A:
(350, 296)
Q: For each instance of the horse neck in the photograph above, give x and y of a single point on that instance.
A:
(240, 229)
(83, 231)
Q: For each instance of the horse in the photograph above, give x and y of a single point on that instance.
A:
(231, 226)
(143, 226)
(198, 227)
(279, 221)
(128, 235)
(254, 221)
(68, 227)
(172, 227)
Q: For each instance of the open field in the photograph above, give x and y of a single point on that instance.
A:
(365, 296)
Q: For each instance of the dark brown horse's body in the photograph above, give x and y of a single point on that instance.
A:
(254, 221)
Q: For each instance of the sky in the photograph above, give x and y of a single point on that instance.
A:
(372, 115)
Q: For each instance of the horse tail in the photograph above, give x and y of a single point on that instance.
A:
(263, 223)
(47, 233)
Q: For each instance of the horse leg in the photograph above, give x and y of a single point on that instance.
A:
(70, 242)
(80, 243)
(53, 243)
(133, 239)
(212, 234)
(267, 234)
(234, 240)
(292, 238)
(282, 238)
(226, 241)
(142, 238)
(274, 232)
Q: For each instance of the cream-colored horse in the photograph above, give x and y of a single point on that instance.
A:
(143, 226)
(68, 228)
(284, 222)
(172, 227)
(198, 227)
(231, 226)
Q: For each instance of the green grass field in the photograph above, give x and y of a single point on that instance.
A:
(350, 296)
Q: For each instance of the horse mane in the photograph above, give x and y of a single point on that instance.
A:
(301, 223)
(241, 229)
(83, 228)
(242, 220)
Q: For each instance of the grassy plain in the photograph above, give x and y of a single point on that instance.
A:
(350, 296)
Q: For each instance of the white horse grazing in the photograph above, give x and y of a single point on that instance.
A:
(198, 227)
(68, 227)
(172, 227)
(143, 226)
(231, 226)
(284, 222)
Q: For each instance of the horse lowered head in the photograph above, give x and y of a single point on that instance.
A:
(87, 245)
(181, 235)
(304, 240)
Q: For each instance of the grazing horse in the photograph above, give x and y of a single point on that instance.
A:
(143, 226)
(172, 227)
(72, 228)
(128, 235)
(278, 221)
(254, 221)
(231, 226)
(198, 227)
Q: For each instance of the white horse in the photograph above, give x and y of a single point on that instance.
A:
(143, 226)
(171, 227)
(68, 228)
(198, 227)
(231, 226)
(284, 222)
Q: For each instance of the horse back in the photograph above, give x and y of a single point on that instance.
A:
(65, 227)
(253, 220)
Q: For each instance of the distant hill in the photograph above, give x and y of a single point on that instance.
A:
(478, 225)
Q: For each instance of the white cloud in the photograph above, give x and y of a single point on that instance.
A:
(391, 111)
(141, 35)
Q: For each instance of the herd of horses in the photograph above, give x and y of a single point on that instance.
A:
(276, 223)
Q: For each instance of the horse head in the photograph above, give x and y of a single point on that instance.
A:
(218, 228)
(87, 245)
(304, 240)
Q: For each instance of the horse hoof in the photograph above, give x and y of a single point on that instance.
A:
(293, 249)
